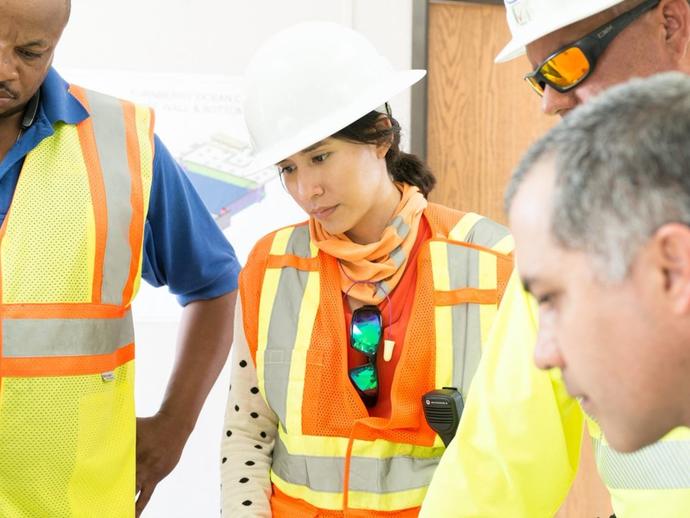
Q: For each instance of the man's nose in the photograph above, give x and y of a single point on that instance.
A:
(546, 353)
(8, 64)
(554, 102)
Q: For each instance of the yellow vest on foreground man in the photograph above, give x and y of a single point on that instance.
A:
(517, 447)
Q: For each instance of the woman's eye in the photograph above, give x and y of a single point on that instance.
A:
(287, 169)
(321, 158)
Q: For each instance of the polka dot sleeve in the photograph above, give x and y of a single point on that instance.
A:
(248, 437)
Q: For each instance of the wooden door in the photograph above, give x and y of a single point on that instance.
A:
(481, 118)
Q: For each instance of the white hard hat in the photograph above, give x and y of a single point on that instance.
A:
(529, 20)
(308, 82)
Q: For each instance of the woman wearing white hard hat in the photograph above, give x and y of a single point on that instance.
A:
(347, 320)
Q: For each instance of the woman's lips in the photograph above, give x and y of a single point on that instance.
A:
(323, 212)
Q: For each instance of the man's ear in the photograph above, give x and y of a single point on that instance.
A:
(383, 123)
(675, 15)
(671, 246)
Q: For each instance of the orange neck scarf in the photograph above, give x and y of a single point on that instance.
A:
(370, 272)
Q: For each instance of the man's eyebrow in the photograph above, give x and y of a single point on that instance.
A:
(35, 43)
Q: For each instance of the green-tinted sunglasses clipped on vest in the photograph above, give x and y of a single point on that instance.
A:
(366, 334)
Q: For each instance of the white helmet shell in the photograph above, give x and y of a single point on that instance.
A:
(530, 20)
(311, 80)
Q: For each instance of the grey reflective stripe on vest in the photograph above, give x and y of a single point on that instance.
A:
(486, 233)
(463, 263)
(109, 130)
(65, 337)
(282, 329)
(663, 465)
(387, 475)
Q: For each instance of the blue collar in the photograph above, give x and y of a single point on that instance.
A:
(57, 104)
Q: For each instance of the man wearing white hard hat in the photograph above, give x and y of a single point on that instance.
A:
(346, 320)
(577, 49)
(517, 449)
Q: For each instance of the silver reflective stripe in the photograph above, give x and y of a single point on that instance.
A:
(464, 273)
(663, 465)
(486, 233)
(109, 130)
(65, 337)
(387, 475)
(298, 244)
(282, 329)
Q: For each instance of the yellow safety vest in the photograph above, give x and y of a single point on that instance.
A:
(371, 471)
(70, 265)
(517, 449)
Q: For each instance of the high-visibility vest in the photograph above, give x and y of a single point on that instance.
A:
(517, 450)
(70, 265)
(329, 454)
(653, 481)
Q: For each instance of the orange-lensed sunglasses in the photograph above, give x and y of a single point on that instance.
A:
(573, 63)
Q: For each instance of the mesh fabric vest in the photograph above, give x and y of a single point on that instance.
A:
(331, 458)
(70, 265)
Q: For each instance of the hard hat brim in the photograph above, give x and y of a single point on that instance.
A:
(363, 103)
(516, 47)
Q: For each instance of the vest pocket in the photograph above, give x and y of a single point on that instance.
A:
(67, 445)
(103, 480)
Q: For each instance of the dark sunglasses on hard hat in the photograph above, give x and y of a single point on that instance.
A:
(573, 63)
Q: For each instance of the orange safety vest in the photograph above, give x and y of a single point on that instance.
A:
(330, 457)
(70, 265)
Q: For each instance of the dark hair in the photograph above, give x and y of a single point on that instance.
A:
(403, 167)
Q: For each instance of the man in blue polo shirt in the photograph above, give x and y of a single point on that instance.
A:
(90, 201)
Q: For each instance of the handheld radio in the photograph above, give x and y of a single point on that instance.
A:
(442, 410)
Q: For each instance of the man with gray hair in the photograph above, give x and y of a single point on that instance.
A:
(605, 197)
(517, 449)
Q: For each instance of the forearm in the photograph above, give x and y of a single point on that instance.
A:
(204, 339)
(249, 422)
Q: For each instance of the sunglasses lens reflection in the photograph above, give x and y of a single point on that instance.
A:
(366, 331)
(567, 68)
(365, 378)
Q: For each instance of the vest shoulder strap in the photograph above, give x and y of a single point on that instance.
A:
(478, 230)
(288, 246)
(481, 231)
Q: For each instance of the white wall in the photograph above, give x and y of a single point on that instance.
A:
(205, 37)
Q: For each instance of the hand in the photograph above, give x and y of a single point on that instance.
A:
(160, 441)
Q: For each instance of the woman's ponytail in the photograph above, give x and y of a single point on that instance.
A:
(403, 167)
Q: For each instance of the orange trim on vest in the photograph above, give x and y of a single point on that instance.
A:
(89, 150)
(253, 273)
(474, 246)
(307, 264)
(330, 404)
(465, 296)
(66, 365)
(284, 506)
(442, 219)
(136, 227)
(61, 311)
(504, 269)
(3, 229)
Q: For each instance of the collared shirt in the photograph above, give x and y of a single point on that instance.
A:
(183, 247)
